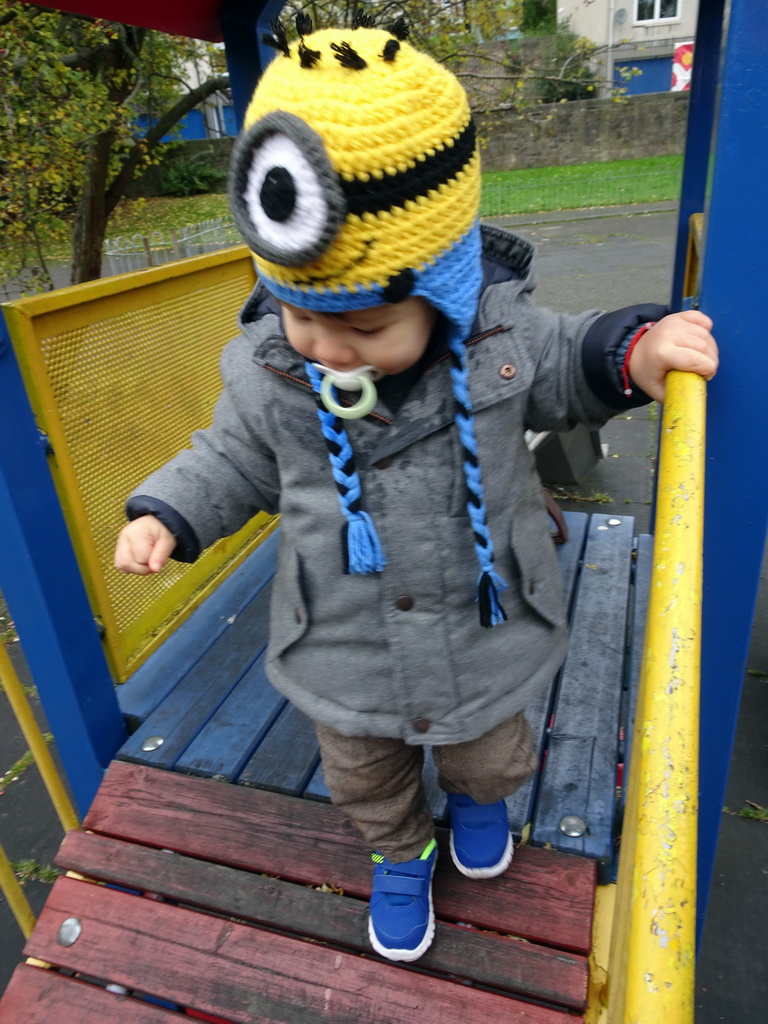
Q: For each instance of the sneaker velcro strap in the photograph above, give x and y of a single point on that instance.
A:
(398, 885)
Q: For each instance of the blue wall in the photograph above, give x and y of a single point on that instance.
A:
(192, 126)
(656, 75)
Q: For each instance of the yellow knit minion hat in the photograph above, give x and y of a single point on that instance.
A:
(357, 165)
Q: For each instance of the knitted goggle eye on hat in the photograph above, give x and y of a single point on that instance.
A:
(356, 182)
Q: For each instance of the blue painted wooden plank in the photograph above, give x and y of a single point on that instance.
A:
(288, 756)
(569, 556)
(197, 696)
(237, 727)
(641, 593)
(316, 788)
(579, 775)
(153, 681)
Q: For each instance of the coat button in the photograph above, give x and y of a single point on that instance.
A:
(404, 602)
(421, 724)
(507, 371)
(384, 463)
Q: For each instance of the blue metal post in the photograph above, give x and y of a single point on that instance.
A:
(242, 25)
(736, 508)
(698, 140)
(41, 583)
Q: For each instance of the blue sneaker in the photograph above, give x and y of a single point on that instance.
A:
(481, 843)
(402, 921)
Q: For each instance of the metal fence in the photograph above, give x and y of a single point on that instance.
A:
(140, 251)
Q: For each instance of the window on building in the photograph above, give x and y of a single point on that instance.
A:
(656, 10)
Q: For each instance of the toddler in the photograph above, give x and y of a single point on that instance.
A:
(389, 363)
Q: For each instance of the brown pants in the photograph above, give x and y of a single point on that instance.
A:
(377, 781)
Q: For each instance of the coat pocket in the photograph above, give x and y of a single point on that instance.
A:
(289, 615)
(540, 586)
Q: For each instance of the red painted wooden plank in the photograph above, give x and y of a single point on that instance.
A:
(545, 897)
(38, 996)
(525, 968)
(246, 974)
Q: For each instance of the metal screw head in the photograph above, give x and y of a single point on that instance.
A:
(69, 932)
(572, 825)
(613, 522)
(152, 743)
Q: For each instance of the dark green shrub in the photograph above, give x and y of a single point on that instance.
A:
(190, 177)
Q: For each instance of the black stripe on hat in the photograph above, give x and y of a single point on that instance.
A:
(397, 189)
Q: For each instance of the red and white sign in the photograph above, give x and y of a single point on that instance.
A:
(682, 63)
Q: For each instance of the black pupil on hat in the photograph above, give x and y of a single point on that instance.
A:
(278, 194)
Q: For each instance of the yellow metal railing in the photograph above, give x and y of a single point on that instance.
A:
(650, 975)
(14, 896)
(9, 885)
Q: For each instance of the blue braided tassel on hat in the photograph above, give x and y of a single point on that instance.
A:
(363, 549)
(489, 583)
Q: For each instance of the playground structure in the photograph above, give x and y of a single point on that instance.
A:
(54, 591)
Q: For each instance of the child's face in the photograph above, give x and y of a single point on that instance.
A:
(392, 338)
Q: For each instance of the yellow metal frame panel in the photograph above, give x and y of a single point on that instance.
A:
(120, 372)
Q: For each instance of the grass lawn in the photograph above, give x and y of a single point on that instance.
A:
(650, 179)
(580, 186)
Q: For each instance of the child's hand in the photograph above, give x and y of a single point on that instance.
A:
(143, 546)
(681, 341)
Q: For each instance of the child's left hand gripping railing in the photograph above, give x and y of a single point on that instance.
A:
(652, 960)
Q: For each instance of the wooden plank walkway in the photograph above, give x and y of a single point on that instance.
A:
(220, 717)
(250, 906)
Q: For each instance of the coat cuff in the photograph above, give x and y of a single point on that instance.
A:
(599, 353)
(187, 545)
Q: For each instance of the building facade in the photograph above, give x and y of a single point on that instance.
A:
(634, 36)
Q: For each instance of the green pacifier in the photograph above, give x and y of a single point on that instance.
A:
(360, 379)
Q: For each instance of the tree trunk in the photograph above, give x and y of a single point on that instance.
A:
(91, 215)
(120, 55)
(100, 196)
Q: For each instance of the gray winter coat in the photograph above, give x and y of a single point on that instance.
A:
(401, 653)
